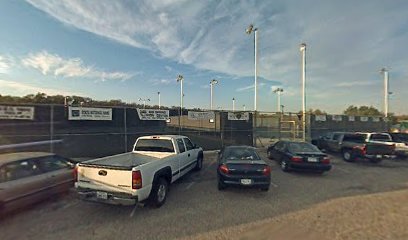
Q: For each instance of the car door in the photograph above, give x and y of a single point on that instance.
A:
(22, 183)
(192, 152)
(277, 150)
(183, 156)
(334, 143)
(59, 171)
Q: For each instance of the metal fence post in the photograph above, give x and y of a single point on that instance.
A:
(51, 128)
(125, 126)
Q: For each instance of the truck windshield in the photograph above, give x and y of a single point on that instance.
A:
(154, 145)
(380, 137)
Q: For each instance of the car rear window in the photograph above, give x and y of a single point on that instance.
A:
(240, 154)
(380, 137)
(154, 145)
(302, 147)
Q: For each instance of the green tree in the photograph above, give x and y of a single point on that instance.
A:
(362, 111)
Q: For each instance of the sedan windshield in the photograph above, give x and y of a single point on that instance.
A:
(302, 147)
(240, 154)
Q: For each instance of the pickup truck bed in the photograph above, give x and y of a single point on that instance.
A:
(125, 161)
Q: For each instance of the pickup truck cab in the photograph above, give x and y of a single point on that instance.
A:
(355, 145)
(141, 175)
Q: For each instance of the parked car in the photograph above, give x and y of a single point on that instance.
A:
(354, 146)
(143, 175)
(30, 177)
(401, 147)
(400, 137)
(242, 166)
(299, 156)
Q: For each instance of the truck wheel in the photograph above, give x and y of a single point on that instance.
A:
(199, 163)
(159, 193)
(347, 155)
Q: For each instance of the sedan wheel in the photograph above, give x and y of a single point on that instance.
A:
(284, 166)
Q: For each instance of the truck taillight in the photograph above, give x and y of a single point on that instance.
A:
(267, 171)
(363, 149)
(75, 173)
(136, 180)
(224, 169)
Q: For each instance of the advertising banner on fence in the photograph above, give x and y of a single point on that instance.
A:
(17, 112)
(200, 115)
(320, 118)
(364, 119)
(376, 119)
(87, 113)
(337, 118)
(238, 116)
(153, 114)
(351, 118)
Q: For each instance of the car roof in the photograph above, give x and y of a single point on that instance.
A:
(13, 157)
(163, 136)
(240, 146)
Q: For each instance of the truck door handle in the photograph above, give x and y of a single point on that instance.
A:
(188, 155)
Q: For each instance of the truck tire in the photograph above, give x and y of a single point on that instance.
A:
(159, 192)
(347, 155)
(199, 164)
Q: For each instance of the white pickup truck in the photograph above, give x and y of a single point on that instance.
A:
(143, 175)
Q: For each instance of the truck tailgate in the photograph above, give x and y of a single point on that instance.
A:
(380, 149)
(106, 179)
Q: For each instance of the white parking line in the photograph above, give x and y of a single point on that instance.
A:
(133, 211)
(189, 185)
(274, 185)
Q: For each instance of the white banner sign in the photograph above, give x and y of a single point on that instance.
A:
(337, 118)
(376, 119)
(17, 112)
(351, 118)
(238, 116)
(153, 114)
(87, 113)
(200, 115)
(364, 119)
(320, 118)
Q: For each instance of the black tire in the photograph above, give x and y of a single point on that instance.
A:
(269, 154)
(199, 164)
(157, 196)
(347, 155)
(265, 189)
(284, 165)
(221, 185)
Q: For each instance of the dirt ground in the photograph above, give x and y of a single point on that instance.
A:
(376, 216)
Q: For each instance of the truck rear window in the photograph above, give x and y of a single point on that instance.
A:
(154, 145)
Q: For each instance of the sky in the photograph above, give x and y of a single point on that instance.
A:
(128, 50)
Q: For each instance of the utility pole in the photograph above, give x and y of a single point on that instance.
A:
(303, 51)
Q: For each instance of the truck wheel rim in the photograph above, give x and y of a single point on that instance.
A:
(161, 193)
(347, 155)
(283, 165)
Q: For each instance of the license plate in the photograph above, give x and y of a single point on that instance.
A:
(312, 159)
(246, 181)
(102, 195)
(378, 156)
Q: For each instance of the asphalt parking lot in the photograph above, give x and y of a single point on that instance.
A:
(195, 206)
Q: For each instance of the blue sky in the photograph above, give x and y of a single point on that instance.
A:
(132, 49)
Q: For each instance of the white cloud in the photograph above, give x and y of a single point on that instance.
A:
(250, 87)
(161, 81)
(354, 84)
(5, 64)
(53, 64)
(16, 88)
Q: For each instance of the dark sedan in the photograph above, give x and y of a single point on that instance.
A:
(299, 156)
(30, 177)
(242, 166)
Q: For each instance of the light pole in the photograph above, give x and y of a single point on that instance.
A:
(144, 100)
(158, 93)
(212, 83)
(279, 92)
(248, 31)
(384, 71)
(303, 51)
(233, 104)
(180, 79)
